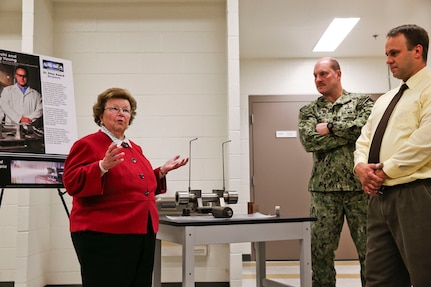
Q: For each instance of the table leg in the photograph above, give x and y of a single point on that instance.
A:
(189, 257)
(305, 256)
(157, 276)
(260, 262)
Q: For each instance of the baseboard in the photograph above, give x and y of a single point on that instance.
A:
(170, 284)
(12, 284)
(198, 284)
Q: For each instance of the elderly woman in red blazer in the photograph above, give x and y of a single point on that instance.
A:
(114, 218)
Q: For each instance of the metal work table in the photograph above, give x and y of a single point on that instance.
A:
(257, 228)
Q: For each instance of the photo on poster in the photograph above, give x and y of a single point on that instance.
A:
(37, 118)
(21, 109)
(31, 173)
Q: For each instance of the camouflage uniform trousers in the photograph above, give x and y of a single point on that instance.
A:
(330, 209)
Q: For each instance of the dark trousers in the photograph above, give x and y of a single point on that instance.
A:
(399, 234)
(114, 260)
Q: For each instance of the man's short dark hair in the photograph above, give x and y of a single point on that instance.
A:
(415, 35)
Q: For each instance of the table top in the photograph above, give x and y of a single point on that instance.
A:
(202, 220)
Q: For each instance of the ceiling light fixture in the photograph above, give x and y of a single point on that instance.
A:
(335, 34)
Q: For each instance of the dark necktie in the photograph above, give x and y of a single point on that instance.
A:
(374, 155)
(124, 144)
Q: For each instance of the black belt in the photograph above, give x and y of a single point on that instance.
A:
(385, 188)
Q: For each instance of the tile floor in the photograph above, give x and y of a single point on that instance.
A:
(287, 272)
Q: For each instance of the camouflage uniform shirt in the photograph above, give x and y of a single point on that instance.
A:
(333, 153)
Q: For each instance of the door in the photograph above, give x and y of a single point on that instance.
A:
(280, 168)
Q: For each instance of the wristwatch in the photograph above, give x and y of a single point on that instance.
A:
(330, 126)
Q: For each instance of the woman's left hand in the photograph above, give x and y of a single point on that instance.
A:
(174, 163)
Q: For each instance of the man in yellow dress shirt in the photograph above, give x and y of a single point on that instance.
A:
(399, 213)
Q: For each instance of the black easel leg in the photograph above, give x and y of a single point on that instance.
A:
(60, 193)
(1, 196)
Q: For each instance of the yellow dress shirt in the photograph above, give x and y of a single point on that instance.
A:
(406, 144)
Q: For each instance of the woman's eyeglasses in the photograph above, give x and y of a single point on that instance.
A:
(118, 110)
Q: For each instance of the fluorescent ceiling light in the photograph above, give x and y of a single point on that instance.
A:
(335, 34)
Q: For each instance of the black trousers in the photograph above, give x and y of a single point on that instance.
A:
(115, 260)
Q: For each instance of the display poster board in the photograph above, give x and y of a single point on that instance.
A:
(38, 123)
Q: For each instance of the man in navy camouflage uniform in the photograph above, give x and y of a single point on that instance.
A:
(329, 127)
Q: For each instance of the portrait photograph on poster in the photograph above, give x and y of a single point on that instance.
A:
(37, 118)
(21, 110)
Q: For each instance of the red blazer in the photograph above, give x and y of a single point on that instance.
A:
(118, 202)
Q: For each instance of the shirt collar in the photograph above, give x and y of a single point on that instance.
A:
(416, 78)
(345, 97)
(116, 140)
(23, 89)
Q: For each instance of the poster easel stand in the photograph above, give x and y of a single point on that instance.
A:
(60, 193)
(1, 195)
